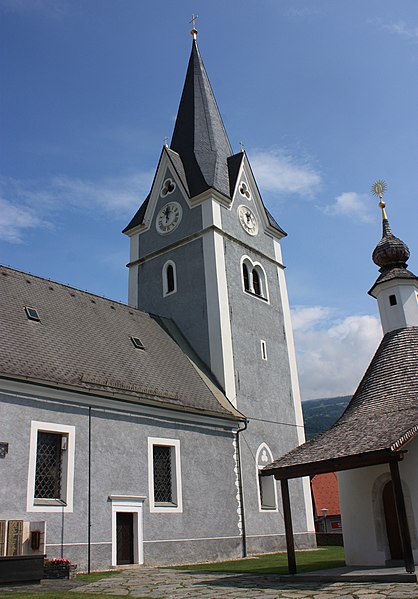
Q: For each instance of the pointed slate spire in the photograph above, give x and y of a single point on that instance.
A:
(199, 134)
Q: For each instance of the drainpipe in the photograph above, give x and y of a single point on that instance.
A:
(89, 499)
(241, 494)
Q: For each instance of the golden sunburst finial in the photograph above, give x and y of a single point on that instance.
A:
(378, 189)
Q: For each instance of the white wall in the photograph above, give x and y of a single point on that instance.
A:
(364, 529)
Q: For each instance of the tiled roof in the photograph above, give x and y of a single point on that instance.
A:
(325, 492)
(381, 416)
(84, 342)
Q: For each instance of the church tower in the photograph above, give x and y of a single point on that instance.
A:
(205, 252)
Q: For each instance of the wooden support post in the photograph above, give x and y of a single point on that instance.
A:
(402, 517)
(290, 544)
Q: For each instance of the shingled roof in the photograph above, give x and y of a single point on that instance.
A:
(83, 342)
(381, 417)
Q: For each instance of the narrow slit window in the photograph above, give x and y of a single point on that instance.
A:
(170, 278)
(263, 350)
(392, 300)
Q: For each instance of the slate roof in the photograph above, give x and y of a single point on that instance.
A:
(82, 342)
(199, 134)
(382, 414)
(200, 151)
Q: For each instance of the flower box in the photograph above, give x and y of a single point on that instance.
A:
(59, 568)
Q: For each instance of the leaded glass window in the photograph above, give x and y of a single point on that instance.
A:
(48, 466)
(163, 474)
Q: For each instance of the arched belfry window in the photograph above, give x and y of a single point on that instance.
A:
(267, 491)
(254, 279)
(169, 278)
(246, 277)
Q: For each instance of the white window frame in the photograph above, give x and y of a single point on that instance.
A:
(132, 504)
(264, 297)
(165, 280)
(67, 481)
(268, 482)
(177, 506)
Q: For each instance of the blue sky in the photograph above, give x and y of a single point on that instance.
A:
(324, 96)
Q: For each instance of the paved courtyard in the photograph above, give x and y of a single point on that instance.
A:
(175, 584)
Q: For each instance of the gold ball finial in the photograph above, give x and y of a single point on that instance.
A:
(378, 189)
(194, 30)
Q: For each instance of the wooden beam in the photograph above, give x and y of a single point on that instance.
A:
(287, 513)
(402, 518)
(333, 465)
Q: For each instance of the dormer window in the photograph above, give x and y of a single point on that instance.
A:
(32, 313)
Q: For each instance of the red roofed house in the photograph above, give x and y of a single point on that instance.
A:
(326, 503)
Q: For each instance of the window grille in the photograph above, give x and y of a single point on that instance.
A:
(163, 488)
(48, 466)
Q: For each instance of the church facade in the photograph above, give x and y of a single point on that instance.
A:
(136, 433)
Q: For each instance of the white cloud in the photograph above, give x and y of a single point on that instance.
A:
(119, 196)
(15, 219)
(332, 354)
(352, 204)
(402, 29)
(279, 172)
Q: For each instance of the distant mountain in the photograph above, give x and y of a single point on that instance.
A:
(320, 414)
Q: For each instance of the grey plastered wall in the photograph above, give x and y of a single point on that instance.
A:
(120, 467)
(191, 221)
(264, 393)
(187, 307)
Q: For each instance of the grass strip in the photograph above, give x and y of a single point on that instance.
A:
(276, 563)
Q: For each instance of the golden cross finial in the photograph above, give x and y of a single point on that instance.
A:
(241, 146)
(378, 189)
(165, 141)
(194, 30)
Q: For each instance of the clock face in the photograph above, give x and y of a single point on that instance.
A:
(248, 220)
(168, 218)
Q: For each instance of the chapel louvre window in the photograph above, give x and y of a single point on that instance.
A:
(48, 476)
(163, 474)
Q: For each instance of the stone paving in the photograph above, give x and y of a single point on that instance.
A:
(178, 584)
(155, 583)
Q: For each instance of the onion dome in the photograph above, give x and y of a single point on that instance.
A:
(390, 252)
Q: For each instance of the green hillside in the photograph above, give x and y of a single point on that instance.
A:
(320, 414)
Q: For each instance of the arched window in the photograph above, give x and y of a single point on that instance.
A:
(254, 278)
(169, 278)
(267, 492)
(256, 282)
(246, 277)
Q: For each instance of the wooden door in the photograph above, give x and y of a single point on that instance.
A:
(125, 537)
(392, 526)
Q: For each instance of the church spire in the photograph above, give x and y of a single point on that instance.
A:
(199, 134)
